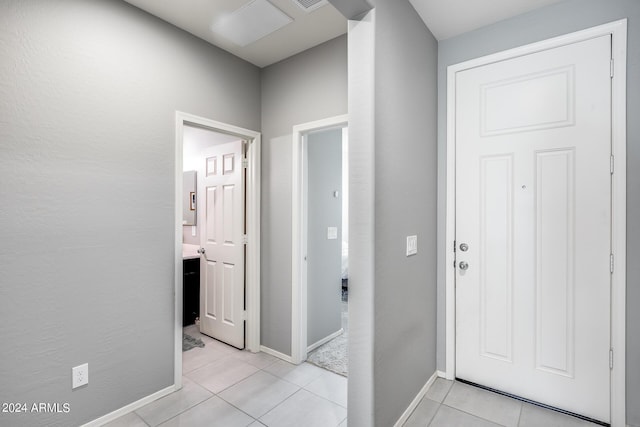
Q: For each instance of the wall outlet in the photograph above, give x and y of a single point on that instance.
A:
(412, 245)
(80, 376)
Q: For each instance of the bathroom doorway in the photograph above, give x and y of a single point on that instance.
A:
(198, 162)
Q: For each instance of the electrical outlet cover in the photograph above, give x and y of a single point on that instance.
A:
(79, 375)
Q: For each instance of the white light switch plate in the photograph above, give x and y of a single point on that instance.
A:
(412, 245)
(332, 233)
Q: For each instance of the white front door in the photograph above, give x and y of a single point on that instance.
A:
(222, 222)
(533, 210)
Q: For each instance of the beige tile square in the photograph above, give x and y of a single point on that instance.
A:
(259, 393)
(534, 416)
(213, 412)
(221, 374)
(305, 409)
(450, 417)
(330, 386)
(300, 375)
(130, 420)
(484, 404)
(169, 406)
(423, 414)
(439, 389)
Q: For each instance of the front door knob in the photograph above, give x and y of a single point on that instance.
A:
(463, 265)
(201, 251)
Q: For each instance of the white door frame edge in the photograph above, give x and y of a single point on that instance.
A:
(298, 235)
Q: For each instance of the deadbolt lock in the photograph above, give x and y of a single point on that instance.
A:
(464, 247)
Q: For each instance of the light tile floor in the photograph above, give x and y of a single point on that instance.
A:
(226, 387)
(454, 404)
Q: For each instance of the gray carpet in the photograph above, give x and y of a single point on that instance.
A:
(188, 342)
(333, 355)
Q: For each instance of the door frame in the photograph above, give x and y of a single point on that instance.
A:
(252, 213)
(299, 233)
(618, 32)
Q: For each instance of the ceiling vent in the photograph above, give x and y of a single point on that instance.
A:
(250, 23)
(310, 5)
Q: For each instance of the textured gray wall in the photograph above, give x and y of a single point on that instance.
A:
(558, 19)
(361, 54)
(405, 204)
(88, 94)
(324, 257)
(306, 87)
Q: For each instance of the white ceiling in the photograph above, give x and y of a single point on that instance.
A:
(445, 19)
(306, 31)
(449, 18)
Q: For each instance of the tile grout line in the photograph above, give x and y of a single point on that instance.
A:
(272, 409)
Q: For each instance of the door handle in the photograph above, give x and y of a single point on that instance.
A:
(201, 251)
(463, 265)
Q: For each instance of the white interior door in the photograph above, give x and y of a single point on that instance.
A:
(533, 208)
(222, 225)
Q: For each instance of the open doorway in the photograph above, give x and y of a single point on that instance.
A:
(327, 249)
(320, 244)
(216, 163)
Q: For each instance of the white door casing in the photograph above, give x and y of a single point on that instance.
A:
(533, 204)
(299, 233)
(222, 223)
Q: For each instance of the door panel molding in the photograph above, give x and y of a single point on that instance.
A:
(252, 213)
(618, 32)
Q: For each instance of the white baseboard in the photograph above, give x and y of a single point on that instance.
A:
(324, 340)
(441, 374)
(276, 354)
(130, 407)
(414, 403)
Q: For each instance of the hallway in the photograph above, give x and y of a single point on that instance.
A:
(226, 387)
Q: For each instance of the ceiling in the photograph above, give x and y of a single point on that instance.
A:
(449, 18)
(197, 16)
(445, 19)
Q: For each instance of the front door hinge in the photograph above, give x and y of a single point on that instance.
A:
(244, 315)
(610, 358)
(611, 263)
(611, 68)
(245, 163)
(245, 239)
(611, 165)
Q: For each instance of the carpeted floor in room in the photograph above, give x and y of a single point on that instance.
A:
(333, 355)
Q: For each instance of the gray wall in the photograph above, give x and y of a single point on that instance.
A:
(361, 154)
(405, 196)
(88, 94)
(324, 257)
(306, 87)
(558, 19)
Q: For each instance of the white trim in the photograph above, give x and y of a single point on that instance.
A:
(252, 278)
(619, 222)
(277, 354)
(416, 401)
(441, 374)
(132, 406)
(298, 235)
(618, 30)
(324, 340)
